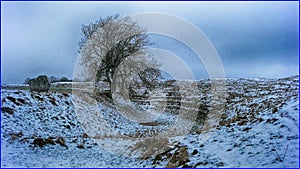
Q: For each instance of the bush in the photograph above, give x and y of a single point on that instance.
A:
(39, 84)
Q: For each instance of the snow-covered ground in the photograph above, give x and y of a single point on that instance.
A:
(15, 85)
(257, 127)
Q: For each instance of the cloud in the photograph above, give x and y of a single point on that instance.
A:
(41, 37)
(269, 69)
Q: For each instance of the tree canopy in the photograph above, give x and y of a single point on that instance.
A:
(106, 43)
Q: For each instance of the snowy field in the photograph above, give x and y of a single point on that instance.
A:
(258, 127)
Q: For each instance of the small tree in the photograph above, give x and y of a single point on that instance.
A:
(107, 43)
(53, 79)
(65, 79)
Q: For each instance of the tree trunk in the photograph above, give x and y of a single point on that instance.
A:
(109, 95)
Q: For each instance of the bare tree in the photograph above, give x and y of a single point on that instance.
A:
(107, 43)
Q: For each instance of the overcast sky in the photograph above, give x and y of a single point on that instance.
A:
(253, 39)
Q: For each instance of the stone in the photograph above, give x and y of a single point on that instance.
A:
(61, 141)
(39, 142)
(7, 110)
(179, 158)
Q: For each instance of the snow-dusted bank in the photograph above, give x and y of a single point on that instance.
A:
(258, 127)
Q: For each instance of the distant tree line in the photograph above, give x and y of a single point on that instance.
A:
(51, 79)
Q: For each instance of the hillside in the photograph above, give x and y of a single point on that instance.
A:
(256, 127)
